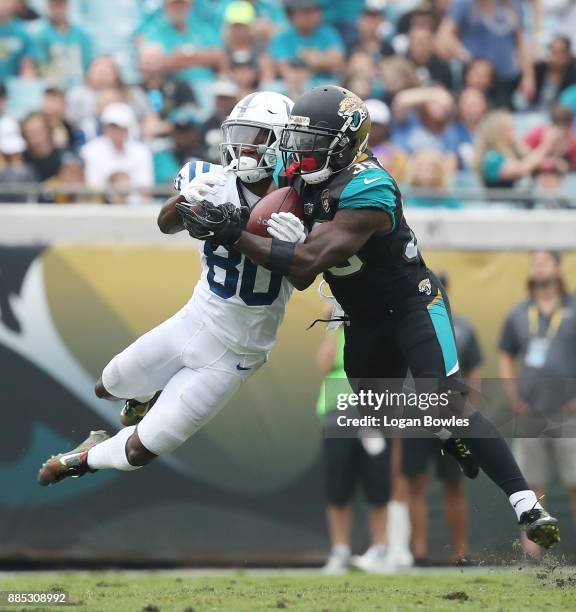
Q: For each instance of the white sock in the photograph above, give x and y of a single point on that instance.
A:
(142, 399)
(112, 453)
(341, 550)
(398, 527)
(524, 501)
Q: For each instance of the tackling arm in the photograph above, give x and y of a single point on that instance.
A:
(331, 244)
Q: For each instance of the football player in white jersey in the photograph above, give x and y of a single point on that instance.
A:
(177, 376)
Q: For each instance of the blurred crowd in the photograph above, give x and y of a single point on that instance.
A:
(463, 94)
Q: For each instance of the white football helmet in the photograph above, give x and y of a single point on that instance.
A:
(251, 135)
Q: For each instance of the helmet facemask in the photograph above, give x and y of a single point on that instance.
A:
(250, 149)
(314, 153)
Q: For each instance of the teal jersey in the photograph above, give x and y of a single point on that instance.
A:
(15, 45)
(158, 29)
(289, 44)
(338, 11)
(389, 268)
(63, 56)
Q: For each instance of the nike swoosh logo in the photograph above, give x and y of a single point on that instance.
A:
(370, 181)
(514, 505)
(239, 367)
(64, 460)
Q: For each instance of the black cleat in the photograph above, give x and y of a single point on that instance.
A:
(540, 527)
(456, 448)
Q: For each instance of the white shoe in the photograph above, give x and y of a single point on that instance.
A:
(399, 558)
(373, 561)
(338, 563)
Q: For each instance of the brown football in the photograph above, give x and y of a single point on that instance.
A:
(285, 199)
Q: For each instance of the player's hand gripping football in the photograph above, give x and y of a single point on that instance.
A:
(202, 186)
(221, 223)
(286, 226)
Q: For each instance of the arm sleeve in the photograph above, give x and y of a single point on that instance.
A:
(371, 188)
(509, 342)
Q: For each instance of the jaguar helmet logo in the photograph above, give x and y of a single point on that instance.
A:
(352, 108)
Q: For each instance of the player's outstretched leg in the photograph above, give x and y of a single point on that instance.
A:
(73, 463)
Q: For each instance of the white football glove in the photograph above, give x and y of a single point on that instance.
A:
(202, 186)
(286, 226)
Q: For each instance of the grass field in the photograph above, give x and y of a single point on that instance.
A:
(487, 590)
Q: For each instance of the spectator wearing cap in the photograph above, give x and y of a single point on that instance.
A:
(561, 118)
(60, 189)
(225, 94)
(500, 158)
(554, 74)
(13, 168)
(472, 109)
(492, 30)
(431, 69)
(240, 41)
(117, 151)
(185, 144)
(391, 157)
(17, 51)
(307, 42)
(166, 93)
(64, 49)
(538, 367)
(42, 153)
(191, 50)
(423, 118)
(373, 30)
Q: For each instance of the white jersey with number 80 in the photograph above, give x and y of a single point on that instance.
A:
(243, 303)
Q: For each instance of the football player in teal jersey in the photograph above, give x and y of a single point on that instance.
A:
(398, 315)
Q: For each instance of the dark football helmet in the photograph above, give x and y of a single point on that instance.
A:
(327, 131)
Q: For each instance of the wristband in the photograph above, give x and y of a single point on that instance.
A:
(281, 256)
